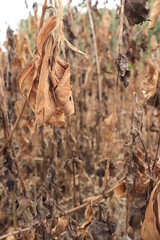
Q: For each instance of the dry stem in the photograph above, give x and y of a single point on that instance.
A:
(96, 55)
(14, 128)
(99, 134)
(3, 107)
(15, 232)
(120, 40)
(92, 200)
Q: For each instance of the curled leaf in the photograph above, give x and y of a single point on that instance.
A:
(44, 32)
(60, 77)
(75, 49)
(121, 189)
(121, 64)
(46, 81)
(42, 211)
(136, 11)
(25, 80)
(60, 226)
(45, 104)
(149, 84)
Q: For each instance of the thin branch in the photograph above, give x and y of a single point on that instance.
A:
(66, 214)
(120, 40)
(15, 232)
(96, 55)
(92, 200)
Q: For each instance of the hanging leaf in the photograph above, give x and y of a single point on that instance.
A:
(149, 84)
(151, 225)
(44, 32)
(60, 77)
(45, 104)
(121, 64)
(121, 189)
(46, 82)
(136, 11)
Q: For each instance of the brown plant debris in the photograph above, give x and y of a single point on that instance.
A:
(121, 63)
(98, 175)
(136, 11)
(46, 81)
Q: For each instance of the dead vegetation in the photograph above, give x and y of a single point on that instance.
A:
(80, 124)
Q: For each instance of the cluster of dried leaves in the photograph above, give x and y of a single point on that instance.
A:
(88, 175)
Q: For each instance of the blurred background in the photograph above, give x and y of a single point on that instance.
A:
(11, 12)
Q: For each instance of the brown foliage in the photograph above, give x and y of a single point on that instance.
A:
(97, 175)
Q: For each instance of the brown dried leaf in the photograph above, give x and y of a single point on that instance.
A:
(136, 11)
(121, 189)
(42, 211)
(121, 63)
(29, 235)
(45, 104)
(60, 226)
(154, 14)
(151, 225)
(81, 231)
(57, 119)
(149, 84)
(60, 77)
(44, 32)
(46, 81)
(10, 230)
(24, 203)
(139, 160)
(89, 213)
(25, 80)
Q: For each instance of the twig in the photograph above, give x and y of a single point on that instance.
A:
(120, 40)
(92, 200)
(66, 214)
(74, 184)
(96, 55)
(15, 232)
(99, 133)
